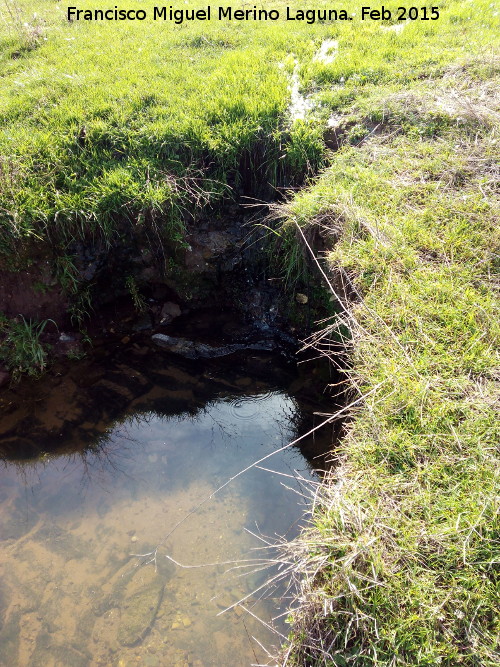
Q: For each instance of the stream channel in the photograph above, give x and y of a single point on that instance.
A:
(102, 461)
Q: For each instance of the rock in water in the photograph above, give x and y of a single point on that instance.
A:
(192, 350)
(169, 312)
(141, 600)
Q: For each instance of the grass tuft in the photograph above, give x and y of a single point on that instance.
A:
(21, 348)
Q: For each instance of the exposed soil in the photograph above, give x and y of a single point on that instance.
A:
(143, 285)
(32, 293)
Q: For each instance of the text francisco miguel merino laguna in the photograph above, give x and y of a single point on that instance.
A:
(208, 13)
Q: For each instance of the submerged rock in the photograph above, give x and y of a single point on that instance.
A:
(301, 298)
(169, 312)
(141, 600)
(136, 594)
(192, 350)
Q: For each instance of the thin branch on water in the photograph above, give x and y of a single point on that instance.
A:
(226, 562)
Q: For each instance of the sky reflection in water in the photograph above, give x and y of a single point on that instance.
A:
(71, 593)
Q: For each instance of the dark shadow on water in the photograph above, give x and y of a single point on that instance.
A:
(76, 411)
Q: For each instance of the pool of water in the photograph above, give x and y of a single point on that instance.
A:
(124, 539)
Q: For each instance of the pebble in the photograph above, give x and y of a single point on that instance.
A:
(186, 622)
(134, 538)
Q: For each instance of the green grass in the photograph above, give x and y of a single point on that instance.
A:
(21, 348)
(400, 563)
(107, 123)
(110, 126)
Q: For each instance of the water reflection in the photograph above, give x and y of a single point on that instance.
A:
(123, 458)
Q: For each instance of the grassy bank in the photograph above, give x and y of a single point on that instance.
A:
(400, 563)
(106, 125)
(116, 123)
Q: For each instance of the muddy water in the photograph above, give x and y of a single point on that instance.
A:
(101, 465)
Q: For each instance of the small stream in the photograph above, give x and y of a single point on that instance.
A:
(118, 458)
